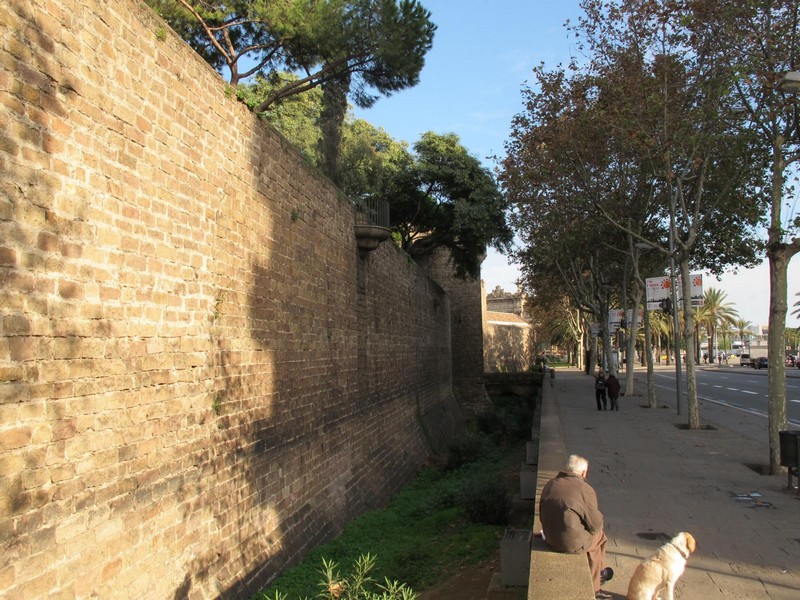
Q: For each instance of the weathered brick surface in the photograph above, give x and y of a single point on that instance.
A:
(200, 379)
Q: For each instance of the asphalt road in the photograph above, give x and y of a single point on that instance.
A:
(740, 389)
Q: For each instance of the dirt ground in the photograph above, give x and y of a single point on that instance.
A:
(469, 583)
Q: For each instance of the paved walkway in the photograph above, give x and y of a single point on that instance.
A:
(654, 478)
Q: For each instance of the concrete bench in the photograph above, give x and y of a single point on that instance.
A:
(554, 574)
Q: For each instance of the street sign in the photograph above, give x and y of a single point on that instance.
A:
(660, 288)
(616, 320)
(639, 317)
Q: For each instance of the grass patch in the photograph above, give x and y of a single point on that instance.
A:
(432, 526)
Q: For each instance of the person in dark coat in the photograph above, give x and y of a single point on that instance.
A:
(600, 390)
(612, 387)
(571, 520)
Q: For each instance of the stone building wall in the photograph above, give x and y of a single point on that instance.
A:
(507, 343)
(200, 378)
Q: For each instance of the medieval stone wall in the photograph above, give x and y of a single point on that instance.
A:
(200, 378)
(467, 323)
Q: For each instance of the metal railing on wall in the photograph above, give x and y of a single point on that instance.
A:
(371, 223)
(372, 211)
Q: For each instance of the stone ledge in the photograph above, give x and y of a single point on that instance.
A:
(554, 574)
(558, 575)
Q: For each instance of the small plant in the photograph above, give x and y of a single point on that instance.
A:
(358, 586)
(161, 33)
(221, 295)
(295, 215)
(229, 91)
(216, 405)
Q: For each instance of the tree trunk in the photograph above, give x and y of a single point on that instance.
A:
(778, 291)
(651, 380)
(692, 406)
(633, 327)
(779, 255)
(334, 110)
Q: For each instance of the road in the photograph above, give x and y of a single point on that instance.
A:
(741, 389)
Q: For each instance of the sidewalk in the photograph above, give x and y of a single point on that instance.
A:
(654, 479)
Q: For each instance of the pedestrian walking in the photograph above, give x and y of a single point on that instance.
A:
(600, 390)
(612, 388)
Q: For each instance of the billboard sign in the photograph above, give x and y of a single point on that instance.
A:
(660, 288)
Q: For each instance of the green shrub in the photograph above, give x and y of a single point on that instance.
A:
(490, 423)
(506, 424)
(466, 449)
(487, 502)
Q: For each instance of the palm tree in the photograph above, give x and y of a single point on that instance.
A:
(660, 328)
(742, 327)
(716, 312)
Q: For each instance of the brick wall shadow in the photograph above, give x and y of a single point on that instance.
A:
(34, 238)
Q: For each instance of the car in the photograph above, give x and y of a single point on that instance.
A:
(744, 359)
(762, 362)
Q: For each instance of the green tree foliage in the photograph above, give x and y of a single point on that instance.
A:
(297, 117)
(372, 162)
(381, 44)
(648, 133)
(448, 199)
(439, 194)
(356, 48)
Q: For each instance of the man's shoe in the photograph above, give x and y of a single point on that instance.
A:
(606, 574)
(601, 595)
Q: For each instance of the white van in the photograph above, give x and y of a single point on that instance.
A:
(744, 359)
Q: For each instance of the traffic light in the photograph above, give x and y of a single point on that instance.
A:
(666, 305)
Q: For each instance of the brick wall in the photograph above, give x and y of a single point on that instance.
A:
(200, 379)
(468, 309)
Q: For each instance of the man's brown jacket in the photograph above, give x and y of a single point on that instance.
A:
(569, 514)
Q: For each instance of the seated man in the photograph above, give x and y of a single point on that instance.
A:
(571, 520)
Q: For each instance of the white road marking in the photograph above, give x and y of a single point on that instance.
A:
(751, 411)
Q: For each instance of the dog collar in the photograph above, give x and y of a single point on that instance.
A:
(685, 556)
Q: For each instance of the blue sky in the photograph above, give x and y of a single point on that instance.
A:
(483, 54)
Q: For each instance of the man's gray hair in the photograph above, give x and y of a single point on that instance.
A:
(577, 464)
